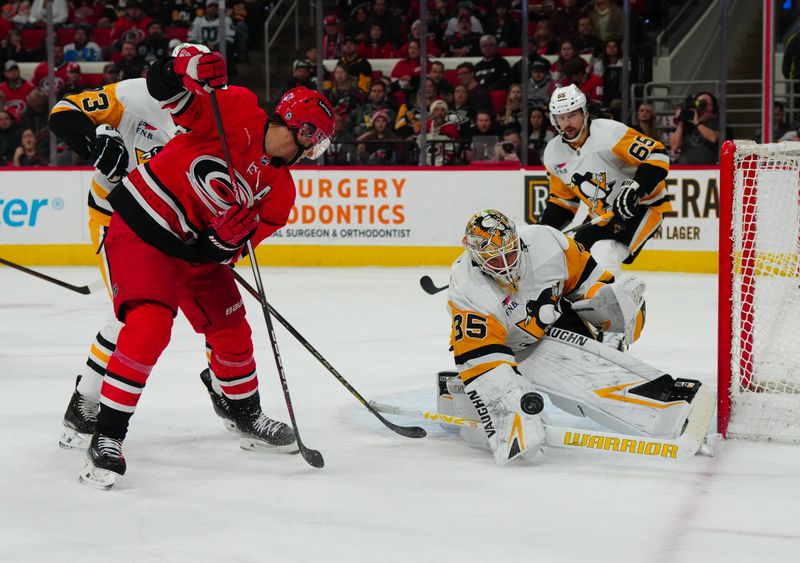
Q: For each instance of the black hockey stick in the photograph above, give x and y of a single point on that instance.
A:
(82, 289)
(427, 285)
(313, 457)
(607, 216)
(407, 431)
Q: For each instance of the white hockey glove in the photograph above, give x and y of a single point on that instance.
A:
(110, 154)
(627, 203)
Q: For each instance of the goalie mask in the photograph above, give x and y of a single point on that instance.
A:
(566, 100)
(492, 242)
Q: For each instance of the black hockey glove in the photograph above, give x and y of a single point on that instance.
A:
(627, 203)
(110, 154)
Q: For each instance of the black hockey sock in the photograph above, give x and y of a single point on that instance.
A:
(112, 422)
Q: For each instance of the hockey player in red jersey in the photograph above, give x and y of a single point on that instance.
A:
(118, 127)
(177, 221)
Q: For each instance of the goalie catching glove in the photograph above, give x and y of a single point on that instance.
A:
(228, 233)
(201, 70)
(617, 307)
(110, 154)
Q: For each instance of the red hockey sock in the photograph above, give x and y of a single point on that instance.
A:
(145, 335)
(231, 360)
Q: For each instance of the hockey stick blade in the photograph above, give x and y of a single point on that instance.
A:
(82, 289)
(427, 285)
(406, 431)
(312, 457)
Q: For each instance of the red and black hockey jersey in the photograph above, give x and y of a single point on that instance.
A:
(170, 200)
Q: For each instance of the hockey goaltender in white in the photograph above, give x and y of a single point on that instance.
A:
(525, 306)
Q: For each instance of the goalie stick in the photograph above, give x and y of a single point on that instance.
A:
(82, 289)
(407, 431)
(676, 449)
(427, 285)
(313, 457)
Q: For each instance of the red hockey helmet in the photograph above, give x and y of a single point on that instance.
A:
(309, 115)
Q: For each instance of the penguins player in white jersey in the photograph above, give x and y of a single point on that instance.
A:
(523, 306)
(609, 167)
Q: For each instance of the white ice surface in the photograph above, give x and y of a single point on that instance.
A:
(192, 495)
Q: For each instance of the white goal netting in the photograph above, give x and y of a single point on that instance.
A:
(765, 292)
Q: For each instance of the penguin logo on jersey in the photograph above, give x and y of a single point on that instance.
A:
(209, 177)
(593, 186)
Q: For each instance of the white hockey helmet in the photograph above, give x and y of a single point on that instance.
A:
(565, 100)
(492, 242)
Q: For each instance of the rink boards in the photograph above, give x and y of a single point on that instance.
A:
(359, 217)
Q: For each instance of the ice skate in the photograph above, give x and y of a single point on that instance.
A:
(104, 463)
(221, 405)
(258, 431)
(79, 421)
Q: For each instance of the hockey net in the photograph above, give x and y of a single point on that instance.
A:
(759, 291)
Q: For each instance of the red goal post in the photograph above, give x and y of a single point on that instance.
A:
(759, 291)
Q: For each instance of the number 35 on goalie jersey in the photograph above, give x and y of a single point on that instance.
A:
(489, 326)
(594, 173)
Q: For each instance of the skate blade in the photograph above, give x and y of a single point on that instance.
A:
(71, 439)
(101, 479)
(250, 445)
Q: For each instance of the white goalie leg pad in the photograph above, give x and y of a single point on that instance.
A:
(585, 378)
(497, 399)
(474, 437)
(616, 307)
(610, 254)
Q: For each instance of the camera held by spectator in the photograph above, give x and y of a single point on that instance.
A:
(688, 112)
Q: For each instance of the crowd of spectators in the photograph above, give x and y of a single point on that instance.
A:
(570, 42)
(126, 35)
(475, 108)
